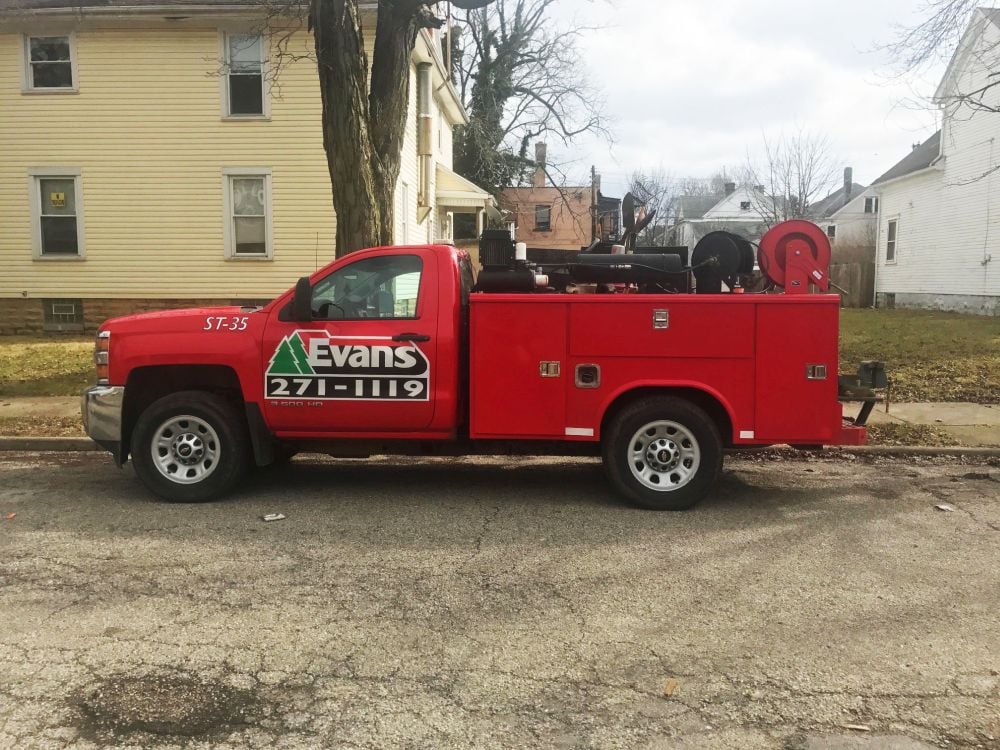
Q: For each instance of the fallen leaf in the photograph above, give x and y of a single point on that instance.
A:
(857, 727)
(670, 687)
(10, 516)
(946, 507)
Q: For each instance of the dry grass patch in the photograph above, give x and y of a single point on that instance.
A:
(930, 356)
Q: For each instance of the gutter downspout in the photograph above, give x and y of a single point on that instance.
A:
(425, 149)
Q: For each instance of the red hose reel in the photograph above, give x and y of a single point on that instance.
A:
(795, 254)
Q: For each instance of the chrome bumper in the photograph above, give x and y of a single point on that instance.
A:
(101, 407)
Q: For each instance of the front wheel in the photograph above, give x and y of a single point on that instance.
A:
(190, 447)
(662, 453)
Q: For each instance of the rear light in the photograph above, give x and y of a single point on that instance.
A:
(102, 354)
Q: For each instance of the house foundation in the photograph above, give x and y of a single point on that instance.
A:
(34, 316)
(974, 304)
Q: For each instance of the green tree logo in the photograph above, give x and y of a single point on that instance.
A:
(290, 358)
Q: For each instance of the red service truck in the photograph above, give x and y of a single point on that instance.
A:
(400, 350)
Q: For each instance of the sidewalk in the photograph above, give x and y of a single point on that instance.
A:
(972, 425)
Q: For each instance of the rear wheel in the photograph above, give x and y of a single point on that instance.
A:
(190, 447)
(662, 453)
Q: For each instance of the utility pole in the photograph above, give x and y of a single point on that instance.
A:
(593, 203)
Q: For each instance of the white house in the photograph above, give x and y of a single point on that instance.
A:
(738, 211)
(939, 225)
(849, 216)
(855, 224)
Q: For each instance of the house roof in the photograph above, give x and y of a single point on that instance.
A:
(919, 158)
(696, 206)
(835, 201)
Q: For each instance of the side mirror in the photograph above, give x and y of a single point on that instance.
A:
(302, 301)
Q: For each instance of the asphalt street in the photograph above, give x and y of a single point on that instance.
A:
(808, 603)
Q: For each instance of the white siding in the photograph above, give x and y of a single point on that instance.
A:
(949, 221)
(855, 228)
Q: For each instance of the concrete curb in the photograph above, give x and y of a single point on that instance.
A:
(32, 443)
(835, 451)
(80, 444)
(915, 450)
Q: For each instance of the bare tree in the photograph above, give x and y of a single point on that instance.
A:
(521, 79)
(794, 173)
(936, 38)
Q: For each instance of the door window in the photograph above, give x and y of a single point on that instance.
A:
(386, 287)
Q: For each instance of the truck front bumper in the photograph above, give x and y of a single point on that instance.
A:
(101, 407)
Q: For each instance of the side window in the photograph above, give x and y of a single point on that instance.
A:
(50, 62)
(543, 218)
(245, 75)
(385, 287)
(248, 212)
(56, 215)
(890, 241)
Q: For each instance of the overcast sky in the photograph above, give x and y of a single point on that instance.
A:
(693, 85)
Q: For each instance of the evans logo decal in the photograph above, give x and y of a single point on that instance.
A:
(316, 365)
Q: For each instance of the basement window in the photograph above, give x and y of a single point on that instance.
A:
(543, 218)
(61, 315)
(49, 63)
(245, 75)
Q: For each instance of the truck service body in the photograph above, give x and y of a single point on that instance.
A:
(196, 397)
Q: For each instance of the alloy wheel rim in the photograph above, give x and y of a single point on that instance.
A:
(664, 455)
(186, 449)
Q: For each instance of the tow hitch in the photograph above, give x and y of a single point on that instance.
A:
(869, 386)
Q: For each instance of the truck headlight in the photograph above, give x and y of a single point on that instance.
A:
(102, 354)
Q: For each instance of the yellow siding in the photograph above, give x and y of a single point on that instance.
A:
(147, 133)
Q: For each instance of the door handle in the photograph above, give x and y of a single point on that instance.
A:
(415, 337)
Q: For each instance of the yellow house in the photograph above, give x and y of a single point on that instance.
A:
(159, 154)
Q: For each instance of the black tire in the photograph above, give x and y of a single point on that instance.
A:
(693, 480)
(231, 452)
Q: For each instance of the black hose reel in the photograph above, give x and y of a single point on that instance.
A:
(721, 257)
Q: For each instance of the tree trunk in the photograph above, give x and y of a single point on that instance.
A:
(364, 123)
(358, 196)
(389, 102)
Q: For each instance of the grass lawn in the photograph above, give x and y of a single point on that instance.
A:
(45, 366)
(930, 356)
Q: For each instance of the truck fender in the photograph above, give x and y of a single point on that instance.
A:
(697, 392)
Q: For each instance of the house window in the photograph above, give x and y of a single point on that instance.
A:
(890, 241)
(404, 213)
(871, 205)
(57, 221)
(831, 231)
(543, 218)
(62, 314)
(245, 75)
(744, 205)
(50, 62)
(248, 213)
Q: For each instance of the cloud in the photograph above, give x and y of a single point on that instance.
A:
(695, 86)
